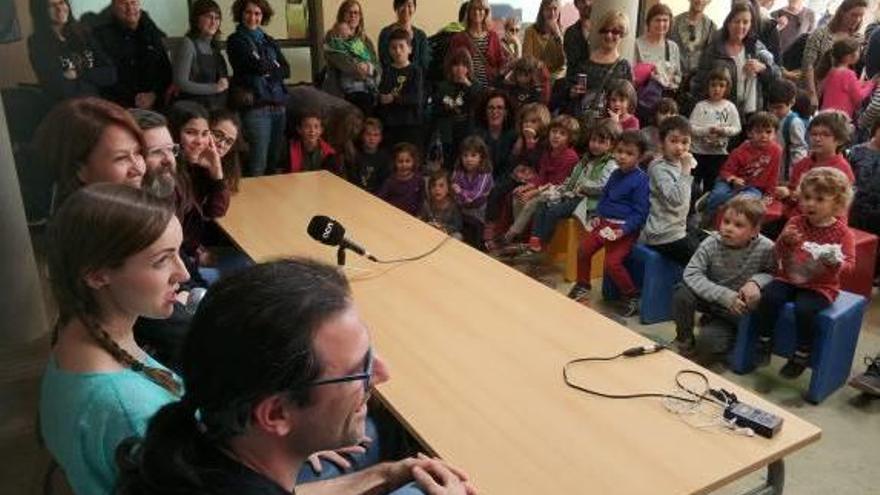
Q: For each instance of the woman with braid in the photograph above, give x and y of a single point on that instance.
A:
(113, 257)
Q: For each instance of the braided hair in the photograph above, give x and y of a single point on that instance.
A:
(100, 226)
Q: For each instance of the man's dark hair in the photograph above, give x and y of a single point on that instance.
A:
(633, 138)
(782, 91)
(148, 119)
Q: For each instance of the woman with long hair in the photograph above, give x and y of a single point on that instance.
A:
(112, 259)
(348, 76)
(89, 140)
(543, 39)
(494, 124)
(482, 42)
(737, 49)
(847, 22)
(66, 58)
(200, 71)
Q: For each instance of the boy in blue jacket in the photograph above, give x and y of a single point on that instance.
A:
(621, 213)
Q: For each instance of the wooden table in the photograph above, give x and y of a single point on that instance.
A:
(476, 350)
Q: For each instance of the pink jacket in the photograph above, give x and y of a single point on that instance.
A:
(843, 91)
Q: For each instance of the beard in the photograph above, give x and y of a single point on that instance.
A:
(160, 182)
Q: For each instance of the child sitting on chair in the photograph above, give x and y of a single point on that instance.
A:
(812, 251)
(621, 213)
(724, 278)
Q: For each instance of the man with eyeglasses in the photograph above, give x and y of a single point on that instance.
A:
(576, 40)
(278, 365)
(136, 46)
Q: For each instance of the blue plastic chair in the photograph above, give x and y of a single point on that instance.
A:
(657, 276)
(836, 338)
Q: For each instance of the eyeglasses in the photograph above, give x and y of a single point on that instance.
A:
(613, 32)
(162, 151)
(366, 375)
(223, 139)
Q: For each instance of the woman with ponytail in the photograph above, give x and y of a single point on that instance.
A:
(113, 257)
(277, 365)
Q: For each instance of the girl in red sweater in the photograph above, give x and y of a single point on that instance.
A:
(812, 252)
(829, 132)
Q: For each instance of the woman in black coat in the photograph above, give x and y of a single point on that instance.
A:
(65, 57)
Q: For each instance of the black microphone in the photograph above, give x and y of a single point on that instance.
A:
(330, 232)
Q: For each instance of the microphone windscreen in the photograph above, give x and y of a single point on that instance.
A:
(326, 230)
(196, 294)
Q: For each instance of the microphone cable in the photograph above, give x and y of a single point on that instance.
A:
(415, 258)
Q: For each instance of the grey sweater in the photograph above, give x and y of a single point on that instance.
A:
(716, 272)
(670, 200)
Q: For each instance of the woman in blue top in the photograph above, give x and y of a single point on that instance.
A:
(421, 51)
(113, 258)
(258, 73)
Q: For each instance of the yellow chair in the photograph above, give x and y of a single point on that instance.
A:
(563, 250)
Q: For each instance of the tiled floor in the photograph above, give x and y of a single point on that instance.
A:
(844, 461)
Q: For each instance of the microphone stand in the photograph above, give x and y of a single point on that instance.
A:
(340, 256)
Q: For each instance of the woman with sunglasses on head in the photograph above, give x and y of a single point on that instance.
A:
(112, 259)
(586, 84)
(200, 71)
(736, 48)
(482, 42)
(692, 31)
(67, 60)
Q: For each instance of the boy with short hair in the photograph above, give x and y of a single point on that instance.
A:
(308, 150)
(670, 188)
(792, 133)
(401, 93)
(372, 161)
(751, 169)
(724, 277)
(621, 213)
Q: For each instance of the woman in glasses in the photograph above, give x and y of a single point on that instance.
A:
(483, 44)
(510, 42)
(692, 31)
(587, 83)
(200, 71)
(543, 39)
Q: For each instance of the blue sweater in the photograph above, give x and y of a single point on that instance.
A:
(625, 197)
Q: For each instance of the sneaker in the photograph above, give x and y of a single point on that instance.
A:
(535, 244)
(762, 352)
(795, 366)
(580, 292)
(686, 347)
(629, 307)
(869, 381)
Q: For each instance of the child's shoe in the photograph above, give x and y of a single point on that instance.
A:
(762, 352)
(795, 366)
(535, 244)
(629, 307)
(580, 292)
(869, 381)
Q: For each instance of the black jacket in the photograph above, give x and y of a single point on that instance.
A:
(51, 58)
(140, 57)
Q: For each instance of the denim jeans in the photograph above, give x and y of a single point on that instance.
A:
(549, 214)
(264, 131)
(724, 192)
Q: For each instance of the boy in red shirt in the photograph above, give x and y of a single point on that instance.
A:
(751, 169)
(812, 251)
